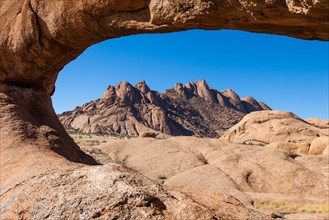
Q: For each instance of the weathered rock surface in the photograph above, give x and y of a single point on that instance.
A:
(193, 109)
(280, 129)
(148, 134)
(38, 38)
(38, 180)
(107, 192)
(318, 122)
(31, 134)
(28, 123)
(319, 146)
(246, 172)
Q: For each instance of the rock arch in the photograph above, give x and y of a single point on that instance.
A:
(38, 38)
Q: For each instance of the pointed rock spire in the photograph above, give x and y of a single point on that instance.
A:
(109, 92)
(142, 87)
(251, 104)
(234, 99)
(193, 109)
(126, 92)
(204, 91)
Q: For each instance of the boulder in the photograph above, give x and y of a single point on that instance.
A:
(318, 122)
(279, 129)
(148, 134)
(319, 145)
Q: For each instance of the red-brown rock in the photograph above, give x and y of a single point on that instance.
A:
(193, 109)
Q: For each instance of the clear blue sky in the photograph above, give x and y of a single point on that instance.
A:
(286, 73)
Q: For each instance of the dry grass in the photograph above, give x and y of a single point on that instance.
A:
(92, 139)
(292, 206)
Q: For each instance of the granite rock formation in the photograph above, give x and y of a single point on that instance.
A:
(193, 109)
(280, 129)
(45, 175)
(38, 38)
(246, 172)
(318, 122)
(109, 192)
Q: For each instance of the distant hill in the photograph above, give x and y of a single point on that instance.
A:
(193, 109)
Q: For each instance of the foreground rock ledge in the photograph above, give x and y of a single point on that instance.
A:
(111, 192)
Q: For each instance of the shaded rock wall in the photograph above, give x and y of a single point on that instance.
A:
(29, 123)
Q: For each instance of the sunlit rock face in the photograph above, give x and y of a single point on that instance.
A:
(190, 110)
(282, 130)
(44, 174)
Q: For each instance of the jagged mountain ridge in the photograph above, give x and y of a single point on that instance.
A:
(193, 109)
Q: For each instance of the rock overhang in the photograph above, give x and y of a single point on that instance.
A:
(38, 38)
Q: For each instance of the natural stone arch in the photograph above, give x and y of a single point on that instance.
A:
(38, 38)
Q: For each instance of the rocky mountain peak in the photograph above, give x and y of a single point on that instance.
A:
(199, 88)
(249, 99)
(226, 98)
(264, 106)
(142, 87)
(204, 92)
(230, 94)
(178, 87)
(124, 86)
(251, 104)
(125, 92)
(190, 86)
(195, 86)
(128, 95)
(109, 92)
(234, 100)
(193, 109)
(202, 83)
